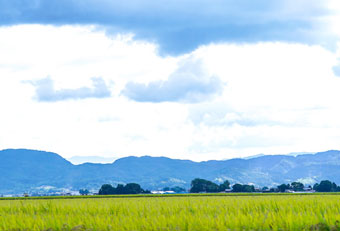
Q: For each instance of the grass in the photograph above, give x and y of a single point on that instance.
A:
(164, 195)
(173, 212)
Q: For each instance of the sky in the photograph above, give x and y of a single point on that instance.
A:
(199, 80)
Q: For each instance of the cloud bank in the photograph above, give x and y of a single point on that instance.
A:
(45, 91)
(181, 26)
(278, 97)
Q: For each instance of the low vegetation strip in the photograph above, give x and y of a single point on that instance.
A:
(192, 212)
(166, 195)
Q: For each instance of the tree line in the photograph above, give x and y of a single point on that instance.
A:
(201, 185)
(130, 188)
(323, 186)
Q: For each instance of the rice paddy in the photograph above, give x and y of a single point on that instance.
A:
(213, 212)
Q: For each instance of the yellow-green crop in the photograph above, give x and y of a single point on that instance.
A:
(279, 212)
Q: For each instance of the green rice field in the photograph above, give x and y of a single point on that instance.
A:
(208, 212)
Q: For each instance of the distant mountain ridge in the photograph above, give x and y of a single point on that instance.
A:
(24, 170)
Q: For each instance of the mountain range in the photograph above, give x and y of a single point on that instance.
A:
(23, 170)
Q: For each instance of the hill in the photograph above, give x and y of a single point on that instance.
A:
(29, 170)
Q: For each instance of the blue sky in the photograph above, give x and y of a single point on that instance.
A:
(185, 79)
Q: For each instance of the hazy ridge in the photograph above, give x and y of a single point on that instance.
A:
(30, 170)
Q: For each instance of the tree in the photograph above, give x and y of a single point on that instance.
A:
(224, 186)
(273, 190)
(120, 189)
(106, 189)
(324, 186)
(297, 186)
(283, 187)
(84, 192)
(237, 188)
(197, 185)
(334, 187)
(201, 185)
(132, 188)
(243, 188)
(146, 191)
(212, 187)
(248, 188)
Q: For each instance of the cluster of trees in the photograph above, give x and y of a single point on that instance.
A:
(176, 189)
(201, 185)
(323, 186)
(243, 188)
(295, 186)
(130, 188)
(326, 186)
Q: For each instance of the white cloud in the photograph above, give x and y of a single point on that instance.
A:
(278, 97)
(189, 83)
(45, 90)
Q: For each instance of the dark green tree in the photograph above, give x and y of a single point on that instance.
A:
(324, 186)
(248, 188)
(297, 186)
(224, 186)
(237, 188)
(334, 187)
(132, 188)
(283, 187)
(197, 185)
(337, 189)
(106, 189)
(201, 185)
(212, 187)
(120, 189)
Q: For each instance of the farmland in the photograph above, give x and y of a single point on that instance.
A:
(208, 212)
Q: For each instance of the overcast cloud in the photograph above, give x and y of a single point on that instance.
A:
(181, 26)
